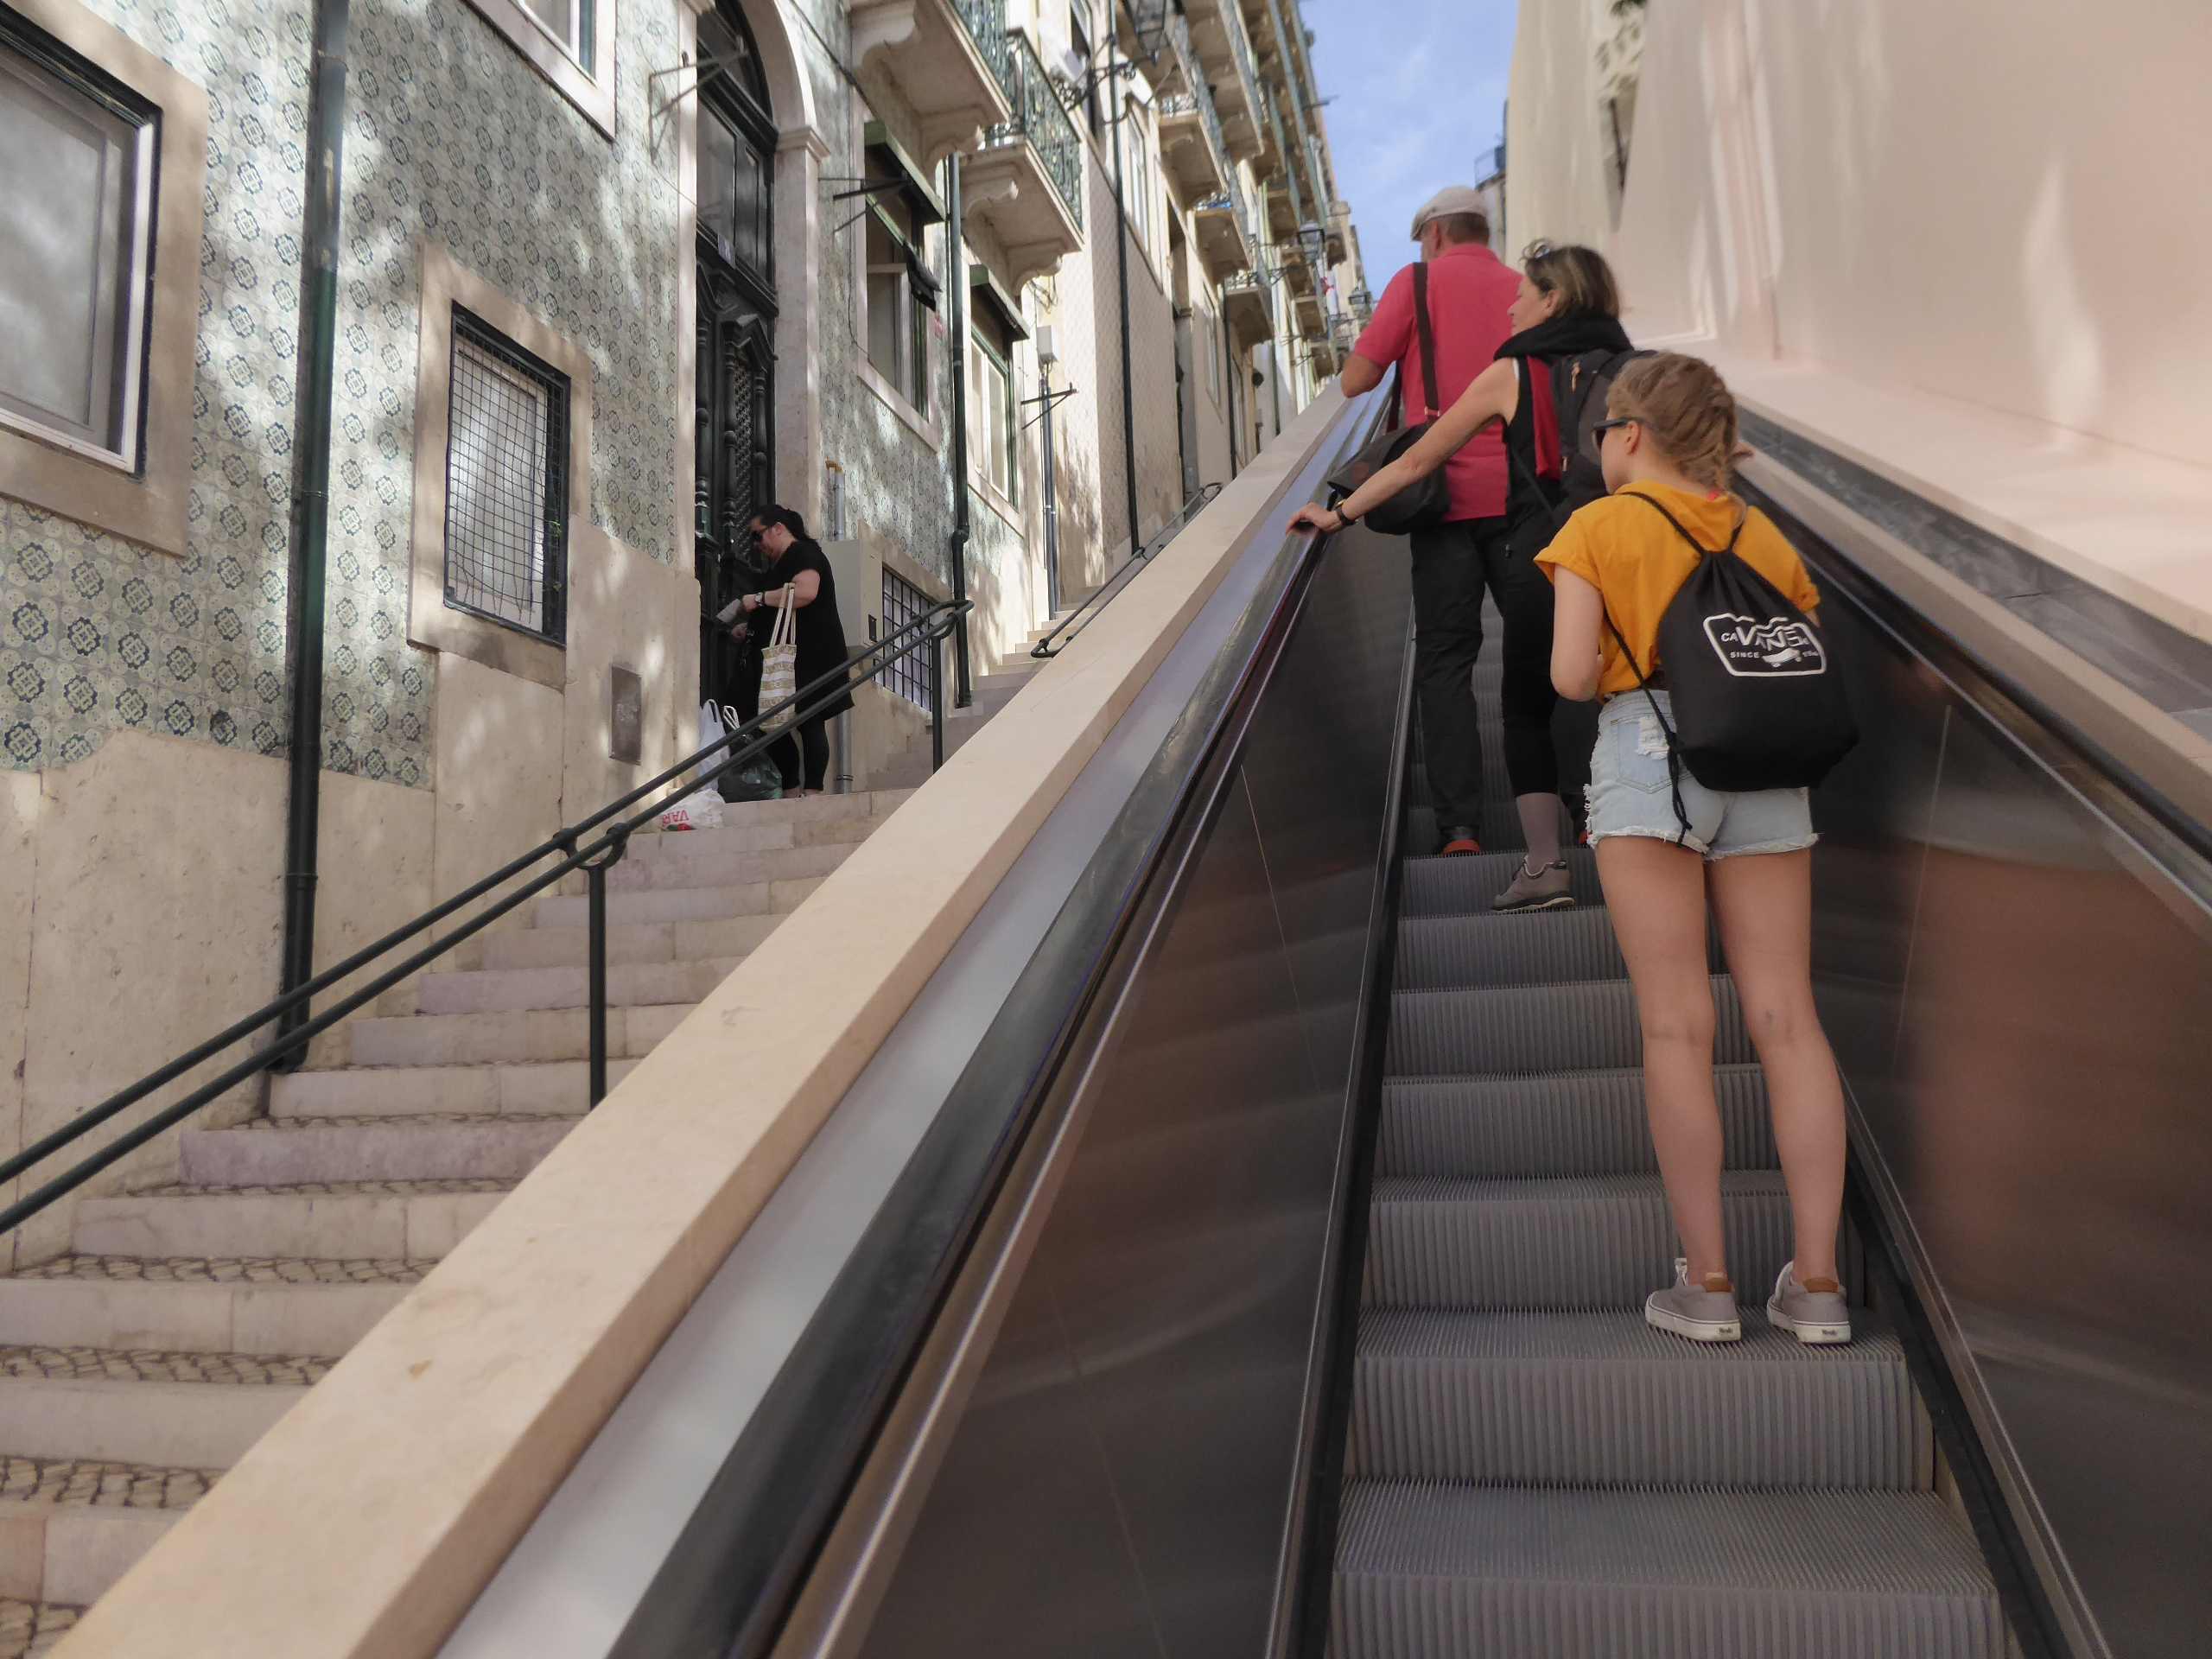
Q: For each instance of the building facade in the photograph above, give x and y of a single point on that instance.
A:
(611, 274)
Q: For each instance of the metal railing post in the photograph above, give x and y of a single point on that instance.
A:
(936, 706)
(595, 876)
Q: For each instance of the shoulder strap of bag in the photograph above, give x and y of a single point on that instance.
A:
(785, 630)
(1428, 337)
(1703, 551)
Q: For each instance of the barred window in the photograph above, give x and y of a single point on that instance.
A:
(909, 677)
(506, 483)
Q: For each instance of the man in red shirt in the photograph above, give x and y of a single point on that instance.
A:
(1469, 293)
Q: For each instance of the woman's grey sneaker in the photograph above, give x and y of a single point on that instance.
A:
(1813, 1311)
(1546, 889)
(1703, 1312)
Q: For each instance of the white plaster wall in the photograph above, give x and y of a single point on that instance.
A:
(1936, 196)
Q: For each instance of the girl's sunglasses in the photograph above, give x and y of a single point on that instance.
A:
(1595, 444)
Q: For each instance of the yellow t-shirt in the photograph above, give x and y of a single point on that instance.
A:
(1632, 557)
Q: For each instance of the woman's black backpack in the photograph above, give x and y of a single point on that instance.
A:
(1758, 701)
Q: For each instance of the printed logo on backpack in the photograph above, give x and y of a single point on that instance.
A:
(1780, 644)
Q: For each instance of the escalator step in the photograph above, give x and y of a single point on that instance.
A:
(1554, 947)
(1507, 1029)
(1456, 886)
(1424, 1572)
(1584, 1243)
(1603, 1399)
(1500, 829)
(1581, 1123)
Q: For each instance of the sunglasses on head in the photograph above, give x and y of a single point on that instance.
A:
(1595, 443)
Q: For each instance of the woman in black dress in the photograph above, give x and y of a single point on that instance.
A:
(801, 578)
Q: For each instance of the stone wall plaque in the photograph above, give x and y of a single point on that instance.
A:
(628, 722)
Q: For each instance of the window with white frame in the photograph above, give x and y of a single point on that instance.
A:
(902, 293)
(1136, 173)
(76, 252)
(994, 404)
(507, 482)
(570, 42)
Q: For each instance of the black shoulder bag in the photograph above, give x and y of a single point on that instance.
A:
(1420, 506)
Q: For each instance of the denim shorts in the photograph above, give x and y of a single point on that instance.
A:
(1630, 793)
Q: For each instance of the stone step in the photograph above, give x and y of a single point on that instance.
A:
(738, 815)
(492, 1039)
(709, 869)
(187, 1410)
(293, 1152)
(32, 1630)
(569, 947)
(407, 1220)
(705, 903)
(71, 1527)
(222, 1305)
(747, 838)
(522, 1089)
(629, 985)
(909, 770)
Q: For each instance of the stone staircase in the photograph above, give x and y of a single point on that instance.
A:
(990, 692)
(189, 1317)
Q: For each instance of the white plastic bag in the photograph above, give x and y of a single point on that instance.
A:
(703, 808)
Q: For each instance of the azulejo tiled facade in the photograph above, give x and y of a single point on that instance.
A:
(451, 137)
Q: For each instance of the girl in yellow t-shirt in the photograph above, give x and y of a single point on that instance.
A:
(1670, 437)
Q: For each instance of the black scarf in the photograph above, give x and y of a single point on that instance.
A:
(1568, 336)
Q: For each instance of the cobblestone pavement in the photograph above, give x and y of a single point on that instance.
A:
(329, 1189)
(151, 1365)
(91, 1484)
(238, 1270)
(30, 1630)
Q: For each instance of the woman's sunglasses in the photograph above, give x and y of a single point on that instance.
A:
(1595, 443)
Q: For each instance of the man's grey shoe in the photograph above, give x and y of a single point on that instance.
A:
(1546, 889)
(1812, 1311)
(1702, 1312)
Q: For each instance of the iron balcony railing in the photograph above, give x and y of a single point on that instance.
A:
(1088, 612)
(1200, 101)
(593, 846)
(1240, 46)
(1185, 50)
(985, 21)
(1250, 283)
(1289, 166)
(1232, 197)
(1039, 118)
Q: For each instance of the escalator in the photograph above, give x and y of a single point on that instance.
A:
(1531, 1467)
(1240, 1247)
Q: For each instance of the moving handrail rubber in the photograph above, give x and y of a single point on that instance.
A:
(594, 858)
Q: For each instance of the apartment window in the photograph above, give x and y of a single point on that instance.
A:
(1136, 174)
(75, 253)
(906, 676)
(902, 294)
(1080, 38)
(994, 411)
(570, 42)
(507, 482)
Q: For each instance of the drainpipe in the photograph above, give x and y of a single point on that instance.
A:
(1121, 247)
(956, 291)
(311, 492)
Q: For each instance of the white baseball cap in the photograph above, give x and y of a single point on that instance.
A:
(1453, 199)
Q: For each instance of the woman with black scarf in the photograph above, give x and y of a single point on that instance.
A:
(1566, 317)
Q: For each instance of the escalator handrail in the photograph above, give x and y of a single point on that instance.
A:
(728, 1584)
(2167, 827)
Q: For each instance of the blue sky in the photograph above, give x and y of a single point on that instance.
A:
(1420, 89)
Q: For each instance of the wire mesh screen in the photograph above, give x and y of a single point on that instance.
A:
(507, 482)
(908, 677)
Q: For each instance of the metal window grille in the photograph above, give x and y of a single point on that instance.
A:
(506, 483)
(908, 677)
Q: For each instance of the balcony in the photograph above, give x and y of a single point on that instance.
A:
(1192, 145)
(1225, 233)
(1248, 305)
(1313, 320)
(1218, 31)
(950, 61)
(1027, 182)
(1268, 127)
(1282, 213)
(1327, 361)
(1157, 37)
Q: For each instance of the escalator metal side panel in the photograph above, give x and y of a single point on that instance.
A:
(2016, 972)
(1121, 1475)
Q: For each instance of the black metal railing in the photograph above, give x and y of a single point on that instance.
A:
(1103, 594)
(609, 834)
(1041, 120)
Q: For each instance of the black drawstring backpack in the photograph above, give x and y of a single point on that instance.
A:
(1758, 703)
